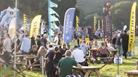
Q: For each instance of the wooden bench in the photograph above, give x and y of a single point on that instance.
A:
(87, 70)
(132, 73)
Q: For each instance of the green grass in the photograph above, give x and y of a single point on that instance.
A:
(110, 70)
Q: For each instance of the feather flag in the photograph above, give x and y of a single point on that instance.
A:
(68, 28)
(52, 19)
(52, 4)
(12, 28)
(35, 26)
(132, 26)
(94, 24)
(52, 12)
(25, 22)
(77, 23)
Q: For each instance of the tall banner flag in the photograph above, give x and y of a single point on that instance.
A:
(68, 28)
(12, 28)
(52, 18)
(77, 23)
(132, 26)
(25, 22)
(99, 24)
(94, 23)
(35, 26)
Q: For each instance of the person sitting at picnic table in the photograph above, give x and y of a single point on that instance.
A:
(25, 45)
(95, 45)
(103, 51)
(94, 50)
(79, 56)
(42, 52)
(84, 47)
(66, 64)
(111, 48)
(34, 50)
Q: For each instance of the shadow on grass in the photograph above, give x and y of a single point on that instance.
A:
(134, 57)
(105, 76)
(128, 64)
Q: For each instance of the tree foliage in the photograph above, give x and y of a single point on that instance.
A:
(86, 8)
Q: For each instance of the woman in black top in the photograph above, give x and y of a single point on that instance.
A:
(58, 55)
(51, 69)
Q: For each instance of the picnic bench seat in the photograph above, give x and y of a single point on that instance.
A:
(133, 73)
(87, 70)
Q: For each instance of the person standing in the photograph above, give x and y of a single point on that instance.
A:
(125, 38)
(44, 40)
(58, 55)
(33, 41)
(7, 43)
(63, 49)
(118, 43)
(114, 39)
(38, 41)
(51, 69)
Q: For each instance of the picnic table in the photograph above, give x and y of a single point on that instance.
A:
(132, 73)
(87, 70)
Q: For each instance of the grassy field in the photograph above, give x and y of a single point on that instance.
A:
(110, 70)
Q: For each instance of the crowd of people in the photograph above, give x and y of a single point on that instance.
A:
(60, 57)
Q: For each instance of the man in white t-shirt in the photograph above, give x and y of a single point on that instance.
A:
(79, 56)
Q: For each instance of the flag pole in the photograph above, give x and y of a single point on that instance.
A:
(49, 22)
(15, 45)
